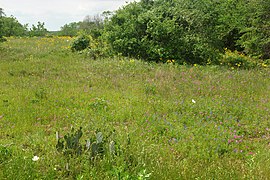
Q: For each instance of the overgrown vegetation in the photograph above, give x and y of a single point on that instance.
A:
(190, 31)
(185, 31)
(139, 120)
(156, 90)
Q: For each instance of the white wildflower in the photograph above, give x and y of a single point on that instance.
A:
(193, 101)
(35, 158)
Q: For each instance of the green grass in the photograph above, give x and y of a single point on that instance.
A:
(145, 108)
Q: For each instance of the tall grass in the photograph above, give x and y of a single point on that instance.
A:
(168, 121)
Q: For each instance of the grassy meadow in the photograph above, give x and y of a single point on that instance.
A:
(158, 121)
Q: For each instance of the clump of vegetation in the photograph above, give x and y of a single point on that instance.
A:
(134, 119)
(80, 43)
(235, 59)
(3, 39)
(190, 31)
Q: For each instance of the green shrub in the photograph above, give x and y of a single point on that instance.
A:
(80, 43)
(235, 59)
(162, 30)
(98, 49)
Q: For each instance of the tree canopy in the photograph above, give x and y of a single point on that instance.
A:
(190, 31)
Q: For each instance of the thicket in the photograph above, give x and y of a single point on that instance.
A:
(10, 26)
(231, 32)
(190, 31)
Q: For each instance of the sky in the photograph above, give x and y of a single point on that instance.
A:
(56, 13)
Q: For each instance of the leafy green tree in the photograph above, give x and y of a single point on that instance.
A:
(70, 29)
(11, 27)
(2, 14)
(92, 25)
(162, 30)
(38, 30)
(256, 29)
(190, 31)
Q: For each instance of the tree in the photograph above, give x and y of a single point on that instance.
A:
(92, 25)
(2, 14)
(190, 31)
(70, 29)
(12, 27)
(256, 30)
(38, 30)
(162, 30)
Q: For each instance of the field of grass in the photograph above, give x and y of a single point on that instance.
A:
(158, 121)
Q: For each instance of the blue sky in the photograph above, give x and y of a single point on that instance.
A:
(56, 13)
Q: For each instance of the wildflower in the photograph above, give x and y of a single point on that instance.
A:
(35, 158)
(193, 101)
(230, 141)
(264, 65)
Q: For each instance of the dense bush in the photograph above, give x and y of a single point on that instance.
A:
(80, 43)
(98, 48)
(190, 31)
(9, 26)
(256, 30)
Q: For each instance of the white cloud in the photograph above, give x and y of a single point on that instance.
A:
(56, 13)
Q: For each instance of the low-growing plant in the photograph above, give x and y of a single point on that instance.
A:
(99, 104)
(95, 147)
(5, 154)
(235, 59)
(70, 145)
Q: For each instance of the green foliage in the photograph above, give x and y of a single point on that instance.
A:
(92, 25)
(5, 154)
(9, 26)
(94, 48)
(80, 43)
(3, 39)
(71, 143)
(155, 30)
(70, 29)
(99, 48)
(235, 59)
(166, 121)
(256, 30)
(189, 31)
(38, 30)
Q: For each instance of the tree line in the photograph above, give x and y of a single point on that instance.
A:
(186, 31)
(10, 26)
(190, 31)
